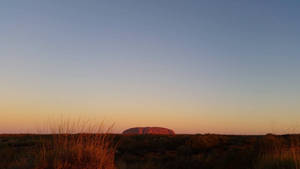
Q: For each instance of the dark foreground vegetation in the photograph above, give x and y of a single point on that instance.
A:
(150, 151)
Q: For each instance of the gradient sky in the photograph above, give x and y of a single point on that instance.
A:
(193, 66)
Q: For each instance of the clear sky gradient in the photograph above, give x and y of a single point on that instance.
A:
(193, 66)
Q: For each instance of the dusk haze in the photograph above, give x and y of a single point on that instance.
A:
(149, 84)
(224, 67)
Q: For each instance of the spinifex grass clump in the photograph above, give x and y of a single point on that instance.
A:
(287, 159)
(75, 146)
(282, 155)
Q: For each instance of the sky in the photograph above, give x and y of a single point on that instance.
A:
(211, 66)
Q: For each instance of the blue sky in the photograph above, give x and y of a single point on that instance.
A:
(196, 66)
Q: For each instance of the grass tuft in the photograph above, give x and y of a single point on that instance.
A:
(282, 155)
(76, 145)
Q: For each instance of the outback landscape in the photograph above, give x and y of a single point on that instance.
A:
(149, 151)
(80, 145)
(195, 84)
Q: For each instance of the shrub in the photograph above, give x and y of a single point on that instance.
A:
(75, 146)
(282, 156)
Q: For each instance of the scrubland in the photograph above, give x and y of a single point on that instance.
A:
(113, 151)
(81, 144)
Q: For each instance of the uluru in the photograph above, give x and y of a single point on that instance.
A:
(148, 130)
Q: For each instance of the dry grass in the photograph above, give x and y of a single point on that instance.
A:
(76, 145)
(282, 156)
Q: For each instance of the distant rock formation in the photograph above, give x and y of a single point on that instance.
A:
(148, 130)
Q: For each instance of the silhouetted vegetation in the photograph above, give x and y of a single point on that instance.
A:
(207, 151)
(68, 147)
